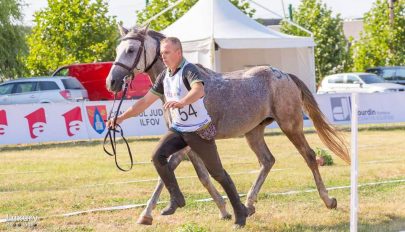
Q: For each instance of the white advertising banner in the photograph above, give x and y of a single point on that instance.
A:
(373, 108)
(32, 123)
(150, 122)
(35, 123)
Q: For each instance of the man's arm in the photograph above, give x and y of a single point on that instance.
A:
(196, 92)
(191, 75)
(136, 108)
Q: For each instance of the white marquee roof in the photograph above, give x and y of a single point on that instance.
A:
(232, 29)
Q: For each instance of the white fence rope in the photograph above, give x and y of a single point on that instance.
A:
(140, 181)
(371, 162)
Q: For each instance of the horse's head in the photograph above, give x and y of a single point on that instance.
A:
(136, 53)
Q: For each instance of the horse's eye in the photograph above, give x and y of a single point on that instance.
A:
(130, 50)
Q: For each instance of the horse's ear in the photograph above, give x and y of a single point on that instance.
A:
(123, 30)
(145, 29)
(135, 29)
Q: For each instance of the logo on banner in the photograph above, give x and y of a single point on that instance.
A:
(97, 115)
(3, 122)
(73, 121)
(341, 108)
(375, 114)
(36, 122)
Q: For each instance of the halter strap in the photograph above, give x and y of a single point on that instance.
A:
(138, 55)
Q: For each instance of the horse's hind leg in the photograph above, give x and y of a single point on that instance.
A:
(146, 216)
(204, 177)
(293, 128)
(255, 139)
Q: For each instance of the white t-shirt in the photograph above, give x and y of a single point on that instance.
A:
(191, 117)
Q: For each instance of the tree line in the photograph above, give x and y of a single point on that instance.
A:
(79, 31)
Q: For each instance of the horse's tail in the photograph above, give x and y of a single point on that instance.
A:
(326, 132)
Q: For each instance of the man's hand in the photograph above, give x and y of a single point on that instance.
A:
(135, 109)
(173, 104)
(110, 123)
(196, 92)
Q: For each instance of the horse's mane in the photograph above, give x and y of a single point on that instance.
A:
(157, 35)
(140, 32)
(206, 71)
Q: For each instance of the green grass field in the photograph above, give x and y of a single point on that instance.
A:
(52, 179)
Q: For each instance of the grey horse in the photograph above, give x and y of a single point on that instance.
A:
(240, 103)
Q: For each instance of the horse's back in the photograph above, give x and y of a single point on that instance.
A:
(238, 101)
(234, 75)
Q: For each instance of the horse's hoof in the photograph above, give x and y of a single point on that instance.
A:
(333, 204)
(226, 217)
(238, 227)
(250, 210)
(144, 220)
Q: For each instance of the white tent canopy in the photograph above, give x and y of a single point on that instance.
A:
(219, 36)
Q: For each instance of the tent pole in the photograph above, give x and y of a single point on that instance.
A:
(282, 4)
(212, 48)
(160, 13)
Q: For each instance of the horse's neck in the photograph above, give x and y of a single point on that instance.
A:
(153, 73)
(156, 69)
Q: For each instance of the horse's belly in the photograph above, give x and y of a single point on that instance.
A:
(238, 106)
(238, 121)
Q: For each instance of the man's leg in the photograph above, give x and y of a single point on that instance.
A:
(170, 143)
(207, 151)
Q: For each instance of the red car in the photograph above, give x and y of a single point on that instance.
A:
(93, 75)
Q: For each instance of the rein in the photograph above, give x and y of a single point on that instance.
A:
(112, 132)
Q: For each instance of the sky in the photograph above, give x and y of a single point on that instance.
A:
(125, 10)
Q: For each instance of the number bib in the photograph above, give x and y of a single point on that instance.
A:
(191, 117)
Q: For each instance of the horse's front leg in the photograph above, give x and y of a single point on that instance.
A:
(204, 177)
(146, 216)
(255, 139)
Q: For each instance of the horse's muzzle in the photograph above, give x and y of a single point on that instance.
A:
(113, 85)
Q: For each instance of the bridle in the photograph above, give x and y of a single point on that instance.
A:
(139, 37)
(110, 135)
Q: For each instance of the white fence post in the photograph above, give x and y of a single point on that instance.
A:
(354, 166)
